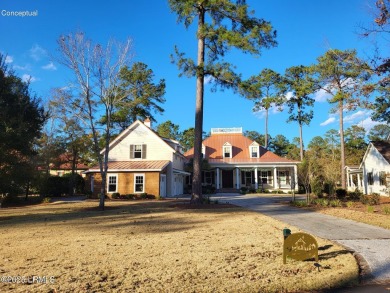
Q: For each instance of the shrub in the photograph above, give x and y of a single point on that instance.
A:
(370, 209)
(341, 193)
(372, 199)
(335, 203)
(316, 188)
(46, 200)
(321, 202)
(129, 196)
(300, 203)
(355, 195)
(349, 204)
(115, 195)
(386, 210)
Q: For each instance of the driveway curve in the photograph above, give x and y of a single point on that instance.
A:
(370, 242)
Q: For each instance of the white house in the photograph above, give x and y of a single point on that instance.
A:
(141, 161)
(376, 168)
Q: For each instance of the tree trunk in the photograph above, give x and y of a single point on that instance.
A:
(342, 147)
(266, 129)
(71, 182)
(300, 141)
(197, 176)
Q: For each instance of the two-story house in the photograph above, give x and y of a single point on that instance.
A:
(236, 161)
(141, 161)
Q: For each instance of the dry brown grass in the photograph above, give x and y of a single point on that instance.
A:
(152, 247)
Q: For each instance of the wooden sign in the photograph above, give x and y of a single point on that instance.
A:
(300, 246)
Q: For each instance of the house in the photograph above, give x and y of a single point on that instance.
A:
(63, 166)
(141, 161)
(375, 168)
(354, 177)
(236, 161)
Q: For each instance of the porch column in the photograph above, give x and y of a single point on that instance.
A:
(217, 187)
(237, 178)
(296, 177)
(256, 179)
(359, 181)
(275, 178)
(350, 181)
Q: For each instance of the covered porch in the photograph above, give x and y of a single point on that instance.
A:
(252, 177)
(354, 178)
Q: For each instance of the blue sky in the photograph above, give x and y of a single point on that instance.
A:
(306, 29)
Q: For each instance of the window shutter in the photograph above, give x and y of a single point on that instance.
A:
(131, 151)
(144, 151)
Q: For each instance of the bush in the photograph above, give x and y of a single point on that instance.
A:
(208, 189)
(372, 199)
(349, 204)
(341, 193)
(386, 210)
(370, 209)
(115, 195)
(334, 203)
(321, 202)
(300, 203)
(143, 195)
(355, 195)
(316, 188)
(128, 196)
(46, 200)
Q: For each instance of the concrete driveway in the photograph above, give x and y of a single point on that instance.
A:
(370, 242)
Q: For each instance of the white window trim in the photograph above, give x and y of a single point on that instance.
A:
(108, 182)
(143, 182)
(139, 144)
(250, 151)
(227, 145)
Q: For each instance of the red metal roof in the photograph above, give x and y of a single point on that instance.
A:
(240, 150)
(133, 166)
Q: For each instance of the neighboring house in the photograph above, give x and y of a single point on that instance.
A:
(141, 161)
(64, 166)
(236, 161)
(375, 167)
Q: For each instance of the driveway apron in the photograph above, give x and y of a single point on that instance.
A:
(370, 242)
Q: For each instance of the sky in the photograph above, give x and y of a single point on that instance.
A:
(306, 29)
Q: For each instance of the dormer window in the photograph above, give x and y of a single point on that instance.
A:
(227, 150)
(254, 150)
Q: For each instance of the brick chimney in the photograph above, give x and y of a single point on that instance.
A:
(147, 122)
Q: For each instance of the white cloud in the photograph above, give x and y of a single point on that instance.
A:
(321, 96)
(368, 123)
(356, 116)
(328, 121)
(50, 66)
(9, 59)
(28, 78)
(27, 67)
(37, 52)
(208, 79)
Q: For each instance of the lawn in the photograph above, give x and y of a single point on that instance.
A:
(156, 246)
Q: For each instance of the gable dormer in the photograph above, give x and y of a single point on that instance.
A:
(254, 150)
(227, 150)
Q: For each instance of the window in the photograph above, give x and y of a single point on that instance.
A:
(382, 178)
(370, 178)
(266, 177)
(112, 183)
(227, 150)
(139, 183)
(248, 178)
(254, 151)
(138, 151)
(208, 177)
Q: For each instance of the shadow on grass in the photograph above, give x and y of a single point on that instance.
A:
(155, 216)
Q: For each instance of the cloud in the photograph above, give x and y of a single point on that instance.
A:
(27, 67)
(356, 116)
(208, 79)
(9, 59)
(321, 96)
(50, 66)
(328, 121)
(28, 78)
(37, 52)
(368, 123)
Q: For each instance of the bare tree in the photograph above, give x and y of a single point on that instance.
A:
(96, 69)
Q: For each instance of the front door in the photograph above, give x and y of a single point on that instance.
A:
(227, 178)
(163, 185)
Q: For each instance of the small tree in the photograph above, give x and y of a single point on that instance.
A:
(96, 69)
